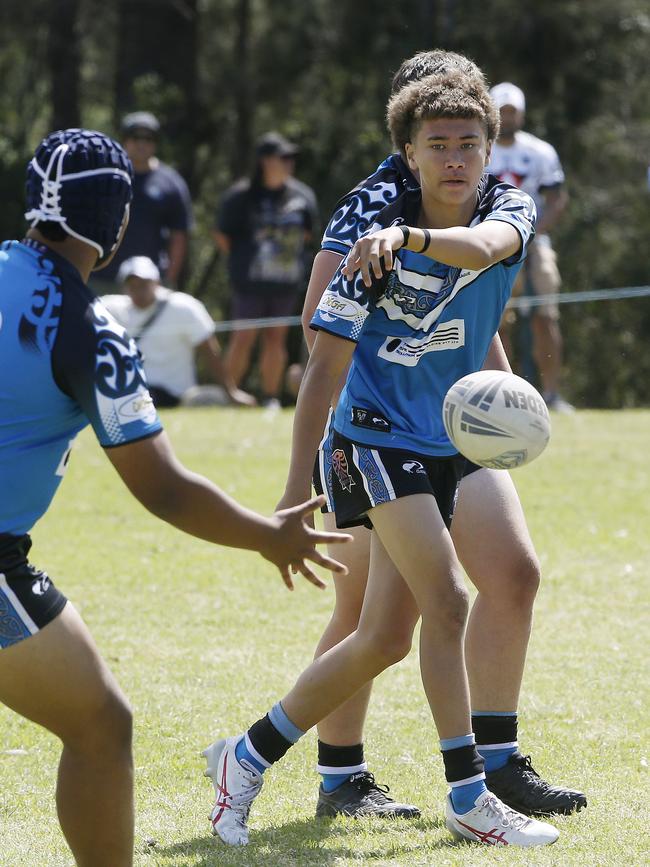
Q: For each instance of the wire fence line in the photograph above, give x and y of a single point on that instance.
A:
(523, 302)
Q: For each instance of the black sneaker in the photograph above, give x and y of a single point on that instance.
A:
(519, 786)
(361, 796)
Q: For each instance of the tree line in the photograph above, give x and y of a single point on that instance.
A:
(219, 72)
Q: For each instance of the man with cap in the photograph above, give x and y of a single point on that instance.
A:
(171, 329)
(161, 211)
(67, 363)
(264, 224)
(533, 165)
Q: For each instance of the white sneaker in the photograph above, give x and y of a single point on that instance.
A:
(494, 823)
(236, 785)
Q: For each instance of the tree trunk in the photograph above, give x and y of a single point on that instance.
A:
(64, 59)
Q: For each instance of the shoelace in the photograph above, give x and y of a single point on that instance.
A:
(492, 806)
(367, 784)
(527, 770)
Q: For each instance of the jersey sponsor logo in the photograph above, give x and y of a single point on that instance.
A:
(136, 407)
(332, 304)
(413, 467)
(368, 418)
(340, 467)
(408, 352)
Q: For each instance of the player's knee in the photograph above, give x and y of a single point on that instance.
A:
(525, 582)
(386, 647)
(518, 583)
(105, 724)
(449, 609)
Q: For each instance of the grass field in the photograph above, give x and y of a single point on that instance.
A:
(203, 640)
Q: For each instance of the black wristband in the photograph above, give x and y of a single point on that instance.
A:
(427, 241)
(406, 234)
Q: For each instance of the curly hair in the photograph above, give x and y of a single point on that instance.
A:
(435, 62)
(452, 95)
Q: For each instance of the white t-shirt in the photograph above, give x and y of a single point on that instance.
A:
(168, 344)
(529, 163)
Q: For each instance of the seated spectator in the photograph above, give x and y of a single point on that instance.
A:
(170, 328)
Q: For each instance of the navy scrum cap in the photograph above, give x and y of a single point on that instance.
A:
(80, 179)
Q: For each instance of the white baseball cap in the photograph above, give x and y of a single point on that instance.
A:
(507, 93)
(138, 266)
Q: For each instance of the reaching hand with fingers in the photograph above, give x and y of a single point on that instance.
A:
(294, 543)
(373, 254)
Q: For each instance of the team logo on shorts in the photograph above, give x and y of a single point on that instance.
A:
(340, 467)
(414, 467)
(41, 585)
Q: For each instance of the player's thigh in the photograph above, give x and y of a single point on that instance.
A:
(58, 679)
(350, 588)
(490, 533)
(414, 535)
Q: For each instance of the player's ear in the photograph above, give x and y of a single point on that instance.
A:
(409, 154)
(488, 151)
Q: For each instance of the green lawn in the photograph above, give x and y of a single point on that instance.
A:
(203, 640)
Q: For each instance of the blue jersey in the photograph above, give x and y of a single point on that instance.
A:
(358, 208)
(419, 328)
(64, 362)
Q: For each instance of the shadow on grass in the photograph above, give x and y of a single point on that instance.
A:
(313, 842)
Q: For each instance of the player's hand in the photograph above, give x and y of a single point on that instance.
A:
(294, 543)
(373, 255)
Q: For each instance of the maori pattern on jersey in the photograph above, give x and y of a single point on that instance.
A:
(38, 327)
(119, 369)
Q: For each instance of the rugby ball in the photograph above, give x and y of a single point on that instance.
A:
(496, 419)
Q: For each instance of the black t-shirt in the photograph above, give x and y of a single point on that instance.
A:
(268, 230)
(161, 204)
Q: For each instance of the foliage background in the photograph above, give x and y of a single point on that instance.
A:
(220, 72)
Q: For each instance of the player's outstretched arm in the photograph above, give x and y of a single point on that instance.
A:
(474, 248)
(154, 475)
(330, 356)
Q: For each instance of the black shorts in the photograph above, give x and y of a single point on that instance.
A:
(364, 477)
(324, 477)
(28, 599)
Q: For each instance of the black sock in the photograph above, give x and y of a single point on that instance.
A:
(495, 729)
(330, 756)
(267, 740)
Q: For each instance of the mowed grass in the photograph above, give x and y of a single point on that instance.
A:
(203, 640)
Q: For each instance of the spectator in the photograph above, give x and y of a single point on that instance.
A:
(533, 165)
(170, 329)
(161, 210)
(263, 225)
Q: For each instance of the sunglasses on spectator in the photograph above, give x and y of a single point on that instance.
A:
(141, 136)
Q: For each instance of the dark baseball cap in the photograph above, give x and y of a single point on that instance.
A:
(274, 144)
(140, 120)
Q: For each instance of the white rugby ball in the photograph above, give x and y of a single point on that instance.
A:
(496, 419)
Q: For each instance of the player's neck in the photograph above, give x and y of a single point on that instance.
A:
(506, 141)
(436, 215)
(79, 254)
